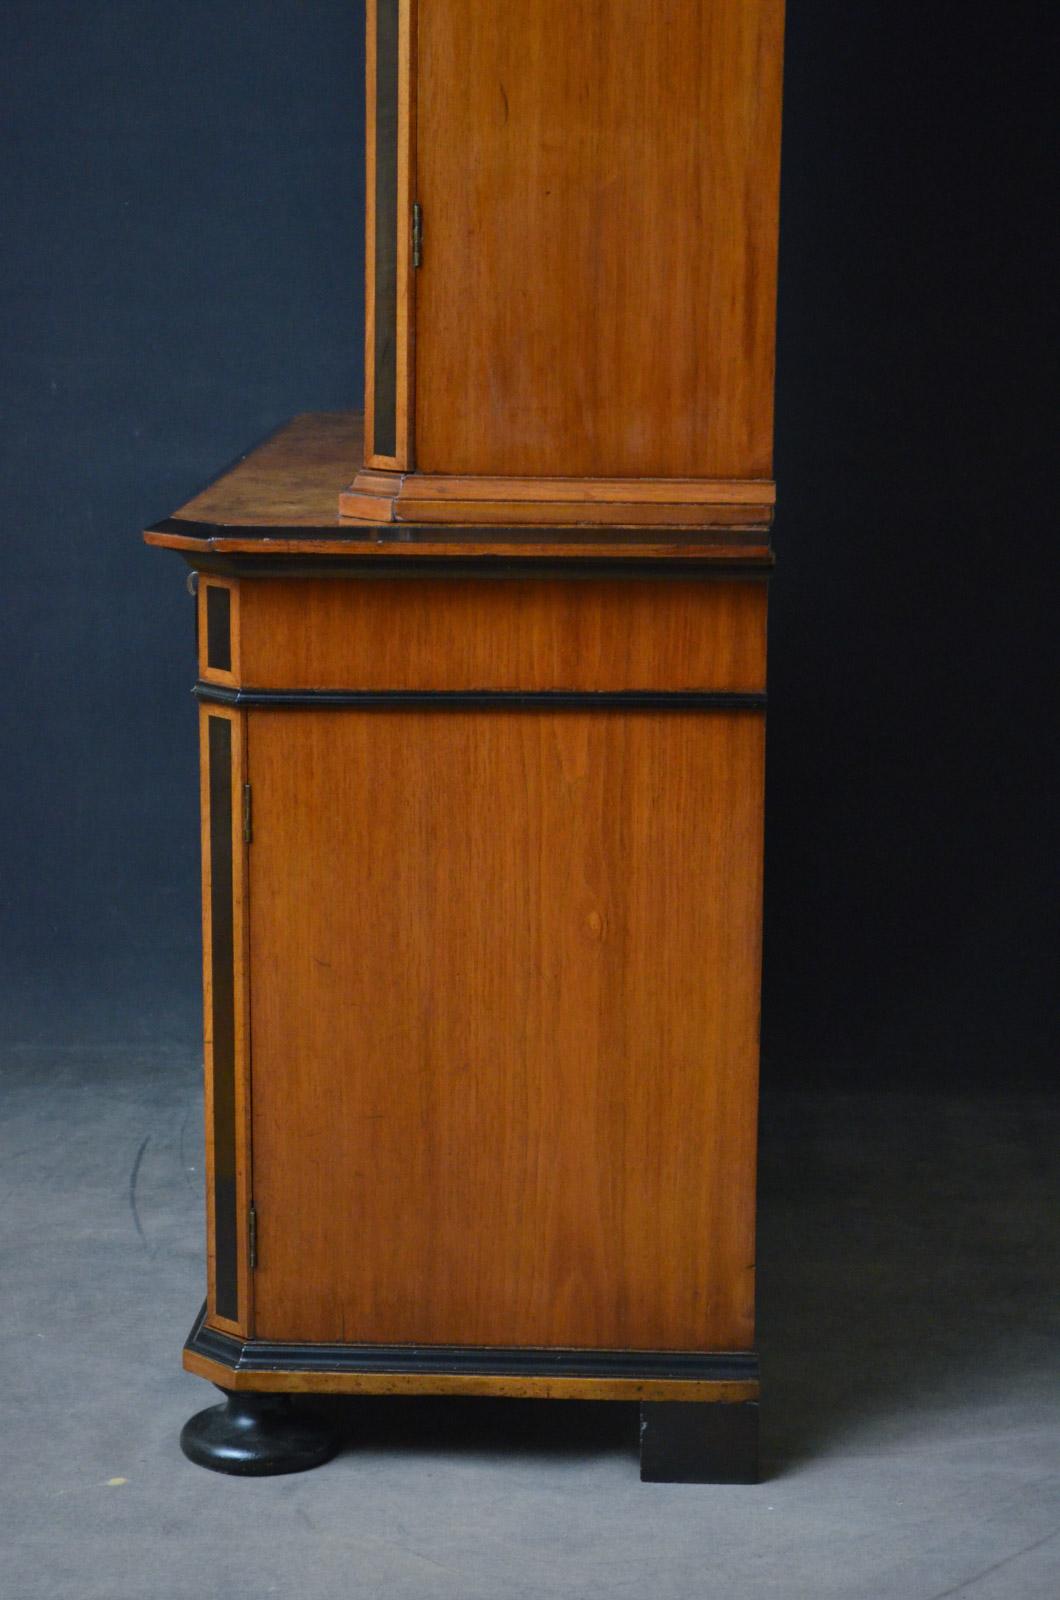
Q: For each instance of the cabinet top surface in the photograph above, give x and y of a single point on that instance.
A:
(280, 501)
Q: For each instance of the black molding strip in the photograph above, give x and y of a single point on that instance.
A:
(481, 699)
(469, 564)
(380, 552)
(397, 535)
(485, 1361)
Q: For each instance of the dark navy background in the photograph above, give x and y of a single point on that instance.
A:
(182, 197)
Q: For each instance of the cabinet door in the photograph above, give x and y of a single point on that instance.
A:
(599, 190)
(504, 1017)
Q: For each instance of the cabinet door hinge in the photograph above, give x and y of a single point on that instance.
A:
(248, 825)
(252, 1238)
(417, 235)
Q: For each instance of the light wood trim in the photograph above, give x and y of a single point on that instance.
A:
(647, 491)
(632, 502)
(206, 672)
(469, 1384)
(405, 274)
(630, 514)
(380, 483)
(241, 949)
(370, 27)
(366, 507)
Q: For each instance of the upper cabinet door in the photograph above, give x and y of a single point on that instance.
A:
(599, 190)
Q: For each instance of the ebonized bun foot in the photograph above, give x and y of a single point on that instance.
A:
(709, 1442)
(259, 1435)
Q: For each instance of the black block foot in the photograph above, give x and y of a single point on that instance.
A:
(259, 1436)
(698, 1442)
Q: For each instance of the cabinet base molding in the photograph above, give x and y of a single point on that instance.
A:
(264, 1367)
(382, 497)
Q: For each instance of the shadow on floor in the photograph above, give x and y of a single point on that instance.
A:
(569, 1430)
(907, 1249)
(907, 1244)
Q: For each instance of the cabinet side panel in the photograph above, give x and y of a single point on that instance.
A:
(505, 1019)
(599, 185)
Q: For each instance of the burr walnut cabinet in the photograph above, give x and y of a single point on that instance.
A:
(482, 739)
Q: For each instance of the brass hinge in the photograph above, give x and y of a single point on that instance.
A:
(417, 235)
(252, 1238)
(248, 823)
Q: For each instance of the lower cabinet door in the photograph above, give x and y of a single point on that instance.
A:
(504, 1018)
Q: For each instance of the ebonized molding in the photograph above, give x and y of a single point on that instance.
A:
(390, 534)
(250, 1356)
(572, 568)
(479, 699)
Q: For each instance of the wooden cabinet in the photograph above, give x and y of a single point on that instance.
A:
(482, 757)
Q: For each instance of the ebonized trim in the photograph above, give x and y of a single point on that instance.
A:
(218, 627)
(391, 533)
(261, 1435)
(666, 569)
(465, 559)
(683, 1443)
(484, 1361)
(384, 410)
(223, 1020)
(481, 699)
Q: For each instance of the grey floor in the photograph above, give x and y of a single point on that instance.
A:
(908, 1272)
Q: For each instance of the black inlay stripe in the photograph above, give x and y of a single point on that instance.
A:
(483, 699)
(384, 415)
(218, 627)
(223, 1020)
(737, 1366)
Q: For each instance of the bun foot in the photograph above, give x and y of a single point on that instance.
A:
(259, 1436)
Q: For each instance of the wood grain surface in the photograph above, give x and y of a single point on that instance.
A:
(418, 498)
(595, 634)
(291, 479)
(599, 184)
(504, 1013)
(282, 499)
